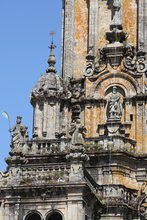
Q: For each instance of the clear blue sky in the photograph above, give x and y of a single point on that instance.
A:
(24, 41)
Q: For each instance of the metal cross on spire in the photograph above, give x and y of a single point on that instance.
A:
(51, 60)
(52, 33)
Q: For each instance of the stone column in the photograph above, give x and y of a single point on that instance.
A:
(51, 119)
(45, 118)
(6, 212)
(68, 39)
(145, 24)
(57, 123)
(38, 112)
(2, 211)
(142, 25)
(139, 126)
(93, 24)
(16, 212)
(75, 209)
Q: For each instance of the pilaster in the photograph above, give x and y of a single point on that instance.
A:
(93, 24)
(68, 39)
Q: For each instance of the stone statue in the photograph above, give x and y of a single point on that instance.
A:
(114, 107)
(77, 131)
(20, 133)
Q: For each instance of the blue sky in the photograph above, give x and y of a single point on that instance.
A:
(24, 40)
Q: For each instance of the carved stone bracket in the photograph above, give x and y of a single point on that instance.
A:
(77, 90)
(135, 60)
(95, 65)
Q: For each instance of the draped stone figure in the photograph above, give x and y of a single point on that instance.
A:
(20, 133)
(114, 107)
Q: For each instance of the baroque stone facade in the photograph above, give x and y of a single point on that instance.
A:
(87, 158)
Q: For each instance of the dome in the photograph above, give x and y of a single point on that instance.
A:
(49, 85)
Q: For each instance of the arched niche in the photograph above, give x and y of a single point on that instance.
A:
(33, 216)
(54, 215)
(119, 89)
(128, 84)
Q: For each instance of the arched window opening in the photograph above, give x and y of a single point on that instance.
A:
(54, 216)
(33, 216)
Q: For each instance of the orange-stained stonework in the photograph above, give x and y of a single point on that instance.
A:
(81, 36)
(97, 89)
(130, 20)
(87, 157)
(104, 22)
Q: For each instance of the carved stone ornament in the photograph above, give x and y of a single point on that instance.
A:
(76, 110)
(135, 61)
(77, 90)
(95, 65)
(48, 85)
(142, 208)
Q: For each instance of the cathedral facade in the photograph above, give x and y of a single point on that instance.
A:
(87, 158)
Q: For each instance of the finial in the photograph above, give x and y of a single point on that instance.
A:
(51, 60)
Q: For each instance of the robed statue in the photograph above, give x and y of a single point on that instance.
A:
(114, 106)
(19, 134)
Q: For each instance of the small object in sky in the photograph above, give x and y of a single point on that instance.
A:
(52, 33)
(5, 115)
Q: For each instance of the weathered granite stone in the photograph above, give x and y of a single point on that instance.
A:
(87, 158)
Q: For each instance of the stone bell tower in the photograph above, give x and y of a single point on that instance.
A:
(112, 36)
(87, 157)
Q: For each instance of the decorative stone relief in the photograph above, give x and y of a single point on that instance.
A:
(49, 85)
(76, 110)
(135, 61)
(95, 65)
(77, 90)
(142, 207)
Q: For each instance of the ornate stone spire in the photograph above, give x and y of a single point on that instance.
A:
(51, 60)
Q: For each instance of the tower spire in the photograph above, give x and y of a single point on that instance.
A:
(52, 60)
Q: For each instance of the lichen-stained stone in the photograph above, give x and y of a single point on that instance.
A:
(104, 22)
(81, 37)
(130, 20)
(87, 158)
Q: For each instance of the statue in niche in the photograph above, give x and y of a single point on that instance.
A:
(114, 107)
(20, 134)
